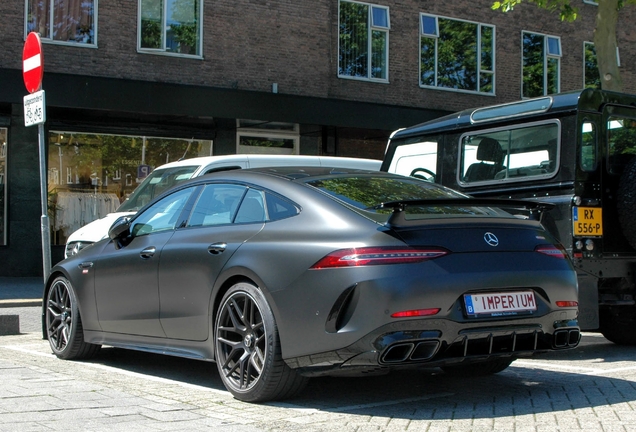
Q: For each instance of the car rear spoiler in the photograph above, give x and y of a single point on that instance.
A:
(532, 209)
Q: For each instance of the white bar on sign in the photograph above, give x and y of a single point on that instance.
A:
(32, 63)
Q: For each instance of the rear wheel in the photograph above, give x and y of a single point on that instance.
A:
(64, 325)
(617, 324)
(488, 367)
(248, 352)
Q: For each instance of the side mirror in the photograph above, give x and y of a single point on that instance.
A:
(119, 229)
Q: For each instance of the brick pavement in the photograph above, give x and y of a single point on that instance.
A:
(590, 389)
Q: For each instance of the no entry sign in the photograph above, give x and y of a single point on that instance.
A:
(32, 63)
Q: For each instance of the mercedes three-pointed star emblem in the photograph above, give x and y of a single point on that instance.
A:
(491, 239)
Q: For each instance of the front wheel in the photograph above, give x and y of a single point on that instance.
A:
(488, 367)
(248, 352)
(63, 323)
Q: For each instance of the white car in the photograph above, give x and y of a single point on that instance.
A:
(171, 173)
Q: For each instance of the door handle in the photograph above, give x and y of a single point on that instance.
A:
(217, 248)
(149, 252)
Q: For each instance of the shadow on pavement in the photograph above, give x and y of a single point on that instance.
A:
(432, 394)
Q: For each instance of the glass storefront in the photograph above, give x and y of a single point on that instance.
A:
(90, 175)
(262, 137)
(3, 190)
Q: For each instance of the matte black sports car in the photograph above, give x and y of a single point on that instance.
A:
(279, 274)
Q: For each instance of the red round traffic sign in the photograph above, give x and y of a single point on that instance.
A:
(32, 63)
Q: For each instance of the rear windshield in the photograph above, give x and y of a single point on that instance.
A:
(364, 193)
(157, 182)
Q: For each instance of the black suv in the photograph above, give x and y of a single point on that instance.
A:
(576, 150)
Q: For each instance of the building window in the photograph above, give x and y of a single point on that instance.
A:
(541, 65)
(69, 21)
(101, 171)
(457, 55)
(363, 42)
(3, 190)
(260, 137)
(170, 26)
(591, 77)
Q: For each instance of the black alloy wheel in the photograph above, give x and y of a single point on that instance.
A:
(248, 353)
(63, 324)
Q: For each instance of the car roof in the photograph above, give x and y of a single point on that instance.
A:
(299, 172)
(270, 159)
(526, 108)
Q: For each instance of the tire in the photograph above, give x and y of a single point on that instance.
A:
(488, 367)
(64, 325)
(626, 202)
(248, 352)
(617, 324)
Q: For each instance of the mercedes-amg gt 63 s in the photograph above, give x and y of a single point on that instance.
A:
(281, 274)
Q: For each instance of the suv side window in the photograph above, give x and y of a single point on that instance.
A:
(514, 154)
(418, 159)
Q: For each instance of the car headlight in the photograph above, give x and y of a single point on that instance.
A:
(73, 248)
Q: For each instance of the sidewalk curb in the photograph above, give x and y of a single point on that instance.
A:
(13, 303)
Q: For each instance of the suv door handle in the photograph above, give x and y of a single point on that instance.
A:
(217, 248)
(149, 252)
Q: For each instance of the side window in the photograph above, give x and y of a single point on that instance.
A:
(516, 154)
(163, 215)
(216, 205)
(278, 208)
(541, 65)
(59, 21)
(252, 208)
(588, 146)
(418, 160)
(363, 41)
(170, 27)
(456, 54)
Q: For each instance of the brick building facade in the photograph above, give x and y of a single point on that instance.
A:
(275, 61)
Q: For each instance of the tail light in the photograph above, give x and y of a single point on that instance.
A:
(366, 256)
(566, 304)
(416, 313)
(556, 251)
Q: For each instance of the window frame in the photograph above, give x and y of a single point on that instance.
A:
(478, 43)
(587, 44)
(163, 50)
(48, 39)
(370, 29)
(546, 60)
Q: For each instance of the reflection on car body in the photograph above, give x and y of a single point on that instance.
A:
(280, 274)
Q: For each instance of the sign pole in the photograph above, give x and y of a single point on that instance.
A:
(35, 113)
(44, 219)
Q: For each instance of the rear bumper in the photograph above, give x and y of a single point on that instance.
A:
(441, 342)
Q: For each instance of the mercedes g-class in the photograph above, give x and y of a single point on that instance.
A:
(576, 150)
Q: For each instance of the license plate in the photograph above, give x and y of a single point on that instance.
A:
(587, 221)
(500, 303)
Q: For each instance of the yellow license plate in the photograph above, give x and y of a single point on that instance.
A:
(587, 221)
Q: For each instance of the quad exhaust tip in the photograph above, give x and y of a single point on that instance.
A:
(410, 351)
(567, 338)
